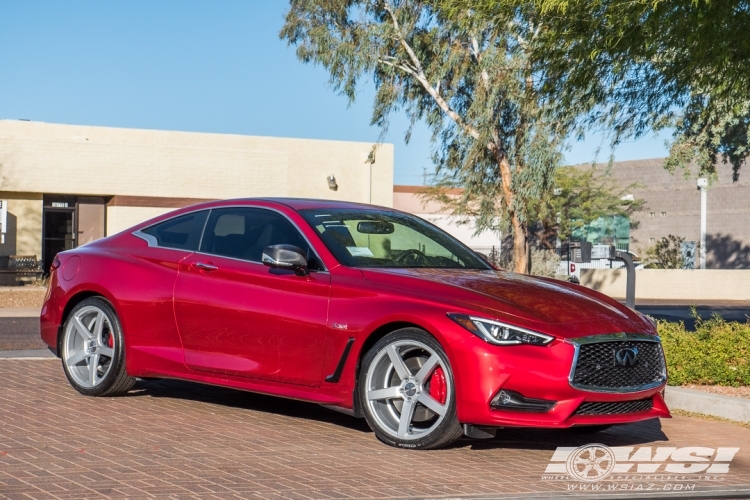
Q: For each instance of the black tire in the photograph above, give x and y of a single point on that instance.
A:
(107, 349)
(384, 414)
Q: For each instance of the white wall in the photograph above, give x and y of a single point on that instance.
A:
(673, 284)
(463, 232)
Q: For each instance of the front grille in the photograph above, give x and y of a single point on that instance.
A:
(597, 369)
(615, 408)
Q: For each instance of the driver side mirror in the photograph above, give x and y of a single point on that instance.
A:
(286, 257)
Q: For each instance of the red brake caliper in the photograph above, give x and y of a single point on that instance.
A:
(110, 341)
(438, 387)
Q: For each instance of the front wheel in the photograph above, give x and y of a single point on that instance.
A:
(93, 355)
(407, 392)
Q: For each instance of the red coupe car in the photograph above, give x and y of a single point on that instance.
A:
(363, 309)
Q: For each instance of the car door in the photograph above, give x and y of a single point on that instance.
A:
(239, 317)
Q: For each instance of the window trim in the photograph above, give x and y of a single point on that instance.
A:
(152, 242)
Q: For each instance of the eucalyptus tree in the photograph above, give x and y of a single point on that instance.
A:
(470, 78)
(641, 65)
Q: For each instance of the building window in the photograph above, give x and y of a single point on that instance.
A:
(611, 230)
(651, 240)
(652, 214)
(664, 214)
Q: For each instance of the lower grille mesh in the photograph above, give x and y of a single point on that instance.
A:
(617, 408)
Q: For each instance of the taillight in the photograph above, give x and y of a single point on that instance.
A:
(55, 264)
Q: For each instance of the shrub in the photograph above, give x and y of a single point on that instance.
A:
(715, 354)
(666, 253)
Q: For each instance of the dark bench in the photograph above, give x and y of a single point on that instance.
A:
(23, 266)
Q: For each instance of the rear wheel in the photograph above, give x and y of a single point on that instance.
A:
(407, 392)
(93, 355)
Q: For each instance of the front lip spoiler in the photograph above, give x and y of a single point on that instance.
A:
(614, 337)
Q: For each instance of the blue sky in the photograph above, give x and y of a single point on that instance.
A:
(195, 66)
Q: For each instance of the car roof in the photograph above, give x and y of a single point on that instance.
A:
(311, 203)
(295, 204)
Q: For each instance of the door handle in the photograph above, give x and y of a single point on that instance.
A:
(205, 267)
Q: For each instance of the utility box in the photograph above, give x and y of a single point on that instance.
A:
(580, 252)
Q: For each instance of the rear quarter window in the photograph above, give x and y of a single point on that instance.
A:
(182, 233)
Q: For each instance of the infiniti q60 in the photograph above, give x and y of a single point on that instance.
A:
(363, 309)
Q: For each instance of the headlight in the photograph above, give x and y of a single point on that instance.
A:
(498, 333)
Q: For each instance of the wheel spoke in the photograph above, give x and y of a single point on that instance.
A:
(93, 365)
(106, 351)
(407, 412)
(398, 363)
(77, 357)
(427, 368)
(81, 329)
(431, 403)
(387, 393)
(99, 327)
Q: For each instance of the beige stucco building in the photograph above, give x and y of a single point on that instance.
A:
(65, 185)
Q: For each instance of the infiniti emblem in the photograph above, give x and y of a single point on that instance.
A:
(91, 347)
(410, 389)
(627, 356)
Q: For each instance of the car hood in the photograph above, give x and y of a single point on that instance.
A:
(548, 305)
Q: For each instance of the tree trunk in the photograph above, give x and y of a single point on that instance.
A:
(521, 259)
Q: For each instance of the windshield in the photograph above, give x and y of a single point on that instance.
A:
(380, 238)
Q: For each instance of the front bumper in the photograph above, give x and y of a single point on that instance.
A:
(538, 372)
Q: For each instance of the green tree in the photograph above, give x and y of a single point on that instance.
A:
(645, 65)
(470, 78)
(666, 253)
(581, 196)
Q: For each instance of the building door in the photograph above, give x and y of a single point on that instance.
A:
(91, 219)
(59, 234)
(58, 227)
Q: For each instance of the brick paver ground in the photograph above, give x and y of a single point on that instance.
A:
(171, 439)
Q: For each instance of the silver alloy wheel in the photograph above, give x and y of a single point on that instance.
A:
(396, 389)
(88, 346)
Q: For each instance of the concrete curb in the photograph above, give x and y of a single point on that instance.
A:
(28, 354)
(711, 493)
(20, 312)
(706, 403)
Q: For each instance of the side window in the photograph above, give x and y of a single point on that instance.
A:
(243, 233)
(182, 233)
